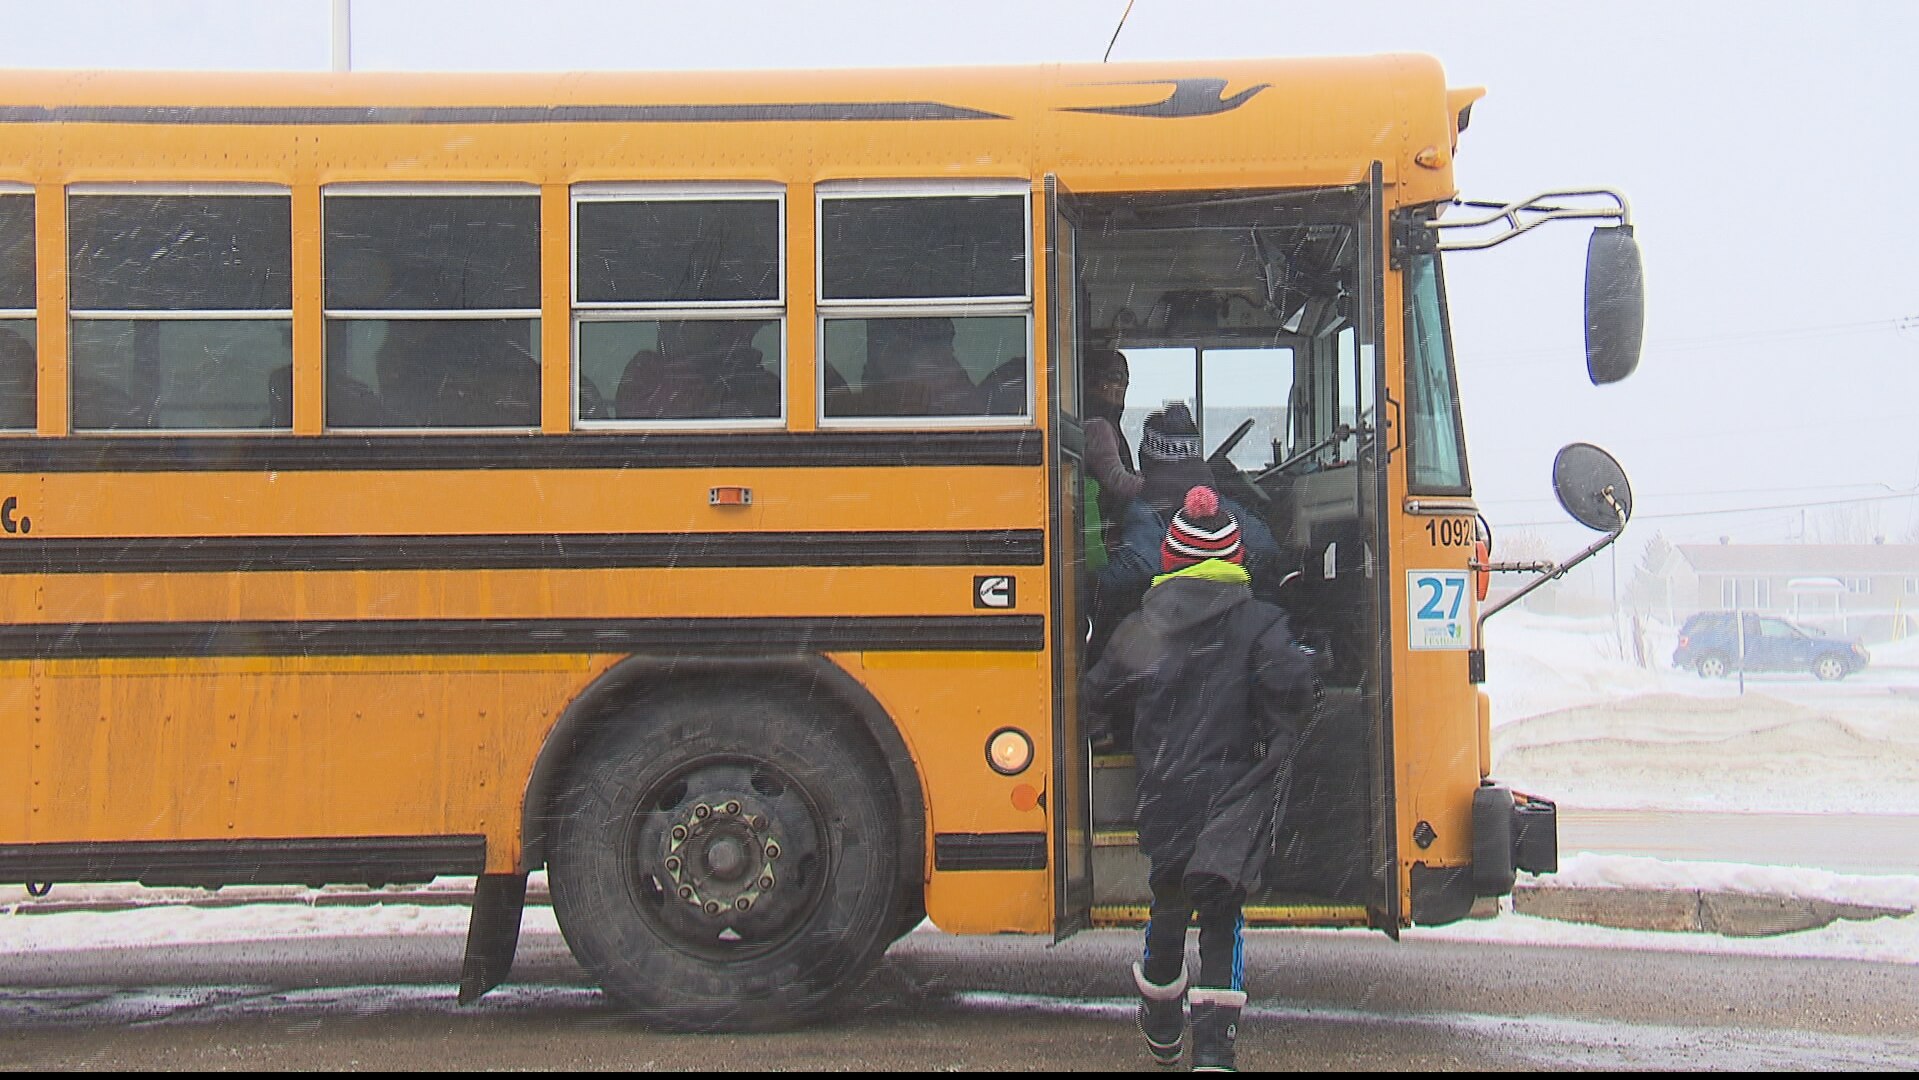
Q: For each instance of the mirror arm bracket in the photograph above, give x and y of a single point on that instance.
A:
(1523, 216)
(1546, 572)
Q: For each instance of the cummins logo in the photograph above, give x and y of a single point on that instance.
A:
(994, 591)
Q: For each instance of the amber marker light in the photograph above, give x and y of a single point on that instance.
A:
(1009, 751)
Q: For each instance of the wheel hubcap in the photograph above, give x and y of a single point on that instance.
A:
(720, 856)
(729, 855)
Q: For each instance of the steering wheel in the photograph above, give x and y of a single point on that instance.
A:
(1231, 442)
(1227, 477)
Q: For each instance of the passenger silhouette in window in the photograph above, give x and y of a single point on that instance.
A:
(458, 373)
(912, 370)
(703, 369)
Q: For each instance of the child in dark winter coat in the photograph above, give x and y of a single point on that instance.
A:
(1216, 692)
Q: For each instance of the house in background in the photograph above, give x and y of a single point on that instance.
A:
(1868, 590)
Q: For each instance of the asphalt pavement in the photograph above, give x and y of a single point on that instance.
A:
(1320, 1000)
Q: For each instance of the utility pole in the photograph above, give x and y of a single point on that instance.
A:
(343, 35)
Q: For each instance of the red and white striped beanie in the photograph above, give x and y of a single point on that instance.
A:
(1201, 530)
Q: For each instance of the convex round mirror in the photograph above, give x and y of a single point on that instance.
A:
(1583, 477)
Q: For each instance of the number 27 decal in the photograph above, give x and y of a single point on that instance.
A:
(1438, 614)
(1435, 590)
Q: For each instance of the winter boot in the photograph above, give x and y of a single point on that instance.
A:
(1215, 1026)
(1162, 1016)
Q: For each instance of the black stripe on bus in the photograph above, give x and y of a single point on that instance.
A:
(650, 450)
(760, 113)
(473, 637)
(989, 851)
(541, 551)
(373, 860)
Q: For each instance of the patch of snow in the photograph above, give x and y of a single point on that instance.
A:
(175, 925)
(1578, 717)
(1890, 940)
(1589, 871)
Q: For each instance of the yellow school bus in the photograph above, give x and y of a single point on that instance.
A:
(674, 483)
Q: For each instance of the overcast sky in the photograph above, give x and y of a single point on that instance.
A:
(1767, 149)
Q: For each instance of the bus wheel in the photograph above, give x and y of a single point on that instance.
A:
(727, 862)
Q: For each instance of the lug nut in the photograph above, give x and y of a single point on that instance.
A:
(712, 907)
(756, 822)
(686, 892)
(743, 903)
(679, 832)
(672, 866)
(702, 811)
(766, 882)
(733, 807)
(772, 849)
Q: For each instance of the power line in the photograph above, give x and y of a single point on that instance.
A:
(1637, 516)
(1116, 30)
(1902, 324)
(1646, 496)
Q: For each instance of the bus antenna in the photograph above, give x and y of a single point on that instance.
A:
(1116, 30)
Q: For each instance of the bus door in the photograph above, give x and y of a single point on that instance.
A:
(1070, 807)
(1255, 315)
(1380, 434)
(1336, 843)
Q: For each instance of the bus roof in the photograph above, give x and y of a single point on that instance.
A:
(1198, 124)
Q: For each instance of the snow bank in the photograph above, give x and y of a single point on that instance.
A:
(1588, 871)
(1886, 941)
(1577, 717)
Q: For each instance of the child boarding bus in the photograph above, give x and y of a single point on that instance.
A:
(674, 483)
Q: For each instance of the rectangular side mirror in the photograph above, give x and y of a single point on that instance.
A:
(1615, 304)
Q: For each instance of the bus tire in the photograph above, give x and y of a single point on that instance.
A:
(727, 861)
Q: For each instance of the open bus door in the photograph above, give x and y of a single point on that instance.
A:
(1319, 254)
(1380, 436)
(1071, 808)
(1335, 859)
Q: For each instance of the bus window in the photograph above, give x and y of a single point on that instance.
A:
(18, 367)
(432, 308)
(926, 366)
(1247, 384)
(925, 302)
(678, 304)
(1159, 377)
(182, 308)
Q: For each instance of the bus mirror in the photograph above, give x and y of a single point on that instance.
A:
(1592, 487)
(1615, 304)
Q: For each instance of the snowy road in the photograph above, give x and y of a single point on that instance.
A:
(1321, 1000)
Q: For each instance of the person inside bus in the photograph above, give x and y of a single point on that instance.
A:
(702, 369)
(912, 370)
(458, 373)
(1004, 388)
(742, 387)
(1109, 461)
(1215, 695)
(1170, 466)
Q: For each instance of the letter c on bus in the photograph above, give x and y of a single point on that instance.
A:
(7, 520)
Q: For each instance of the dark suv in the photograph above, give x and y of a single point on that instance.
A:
(1709, 643)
